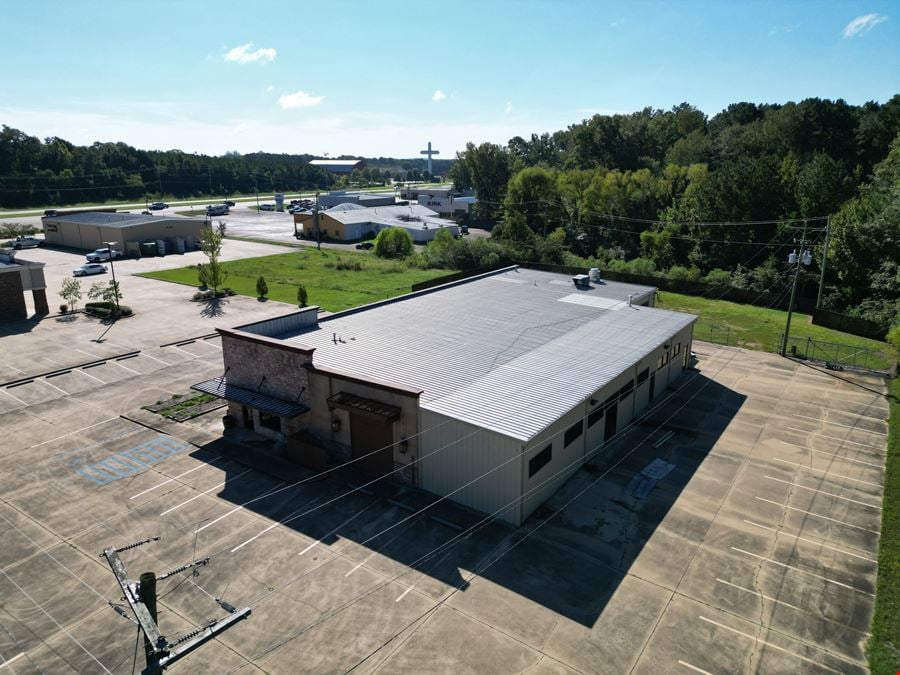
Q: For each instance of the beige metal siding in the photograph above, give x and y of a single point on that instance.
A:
(481, 469)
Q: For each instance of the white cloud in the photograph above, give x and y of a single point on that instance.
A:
(508, 107)
(438, 95)
(270, 88)
(862, 25)
(299, 99)
(778, 30)
(242, 54)
(617, 23)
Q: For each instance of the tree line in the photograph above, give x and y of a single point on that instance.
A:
(674, 191)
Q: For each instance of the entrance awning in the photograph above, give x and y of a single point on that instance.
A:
(365, 406)
(220, 387)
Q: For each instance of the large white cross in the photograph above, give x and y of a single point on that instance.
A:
(429, 152)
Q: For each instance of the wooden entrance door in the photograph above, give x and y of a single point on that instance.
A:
(372, 440)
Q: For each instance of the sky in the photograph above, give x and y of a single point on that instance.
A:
(382, 79)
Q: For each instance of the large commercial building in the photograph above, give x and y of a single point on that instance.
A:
(339, 165)
(492, 390)
(349, 222)
(89, 231)
(363, 199)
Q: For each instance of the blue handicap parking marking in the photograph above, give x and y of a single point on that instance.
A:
(133, 460)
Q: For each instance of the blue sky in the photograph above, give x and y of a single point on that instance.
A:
(374, 78)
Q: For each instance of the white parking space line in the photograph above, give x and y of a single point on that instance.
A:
(828, 473)
(77, 431)
(818, 515)
(165, 363)
(847, 459)
(665, 438)
(809, 541)
(9, 662)
(761, 595)
(166, 482)
(13, 397)
(403, 594)
(694, 668)
(823, 492)
(358, 565)
(96, 379)
(801, 570)
(205, 492)
(183, 351)
(774, 646)
(124, 367)
(59, 389)
(834, 438)
(846, 426)
(234, 510)
(269, 529)
(209, 344)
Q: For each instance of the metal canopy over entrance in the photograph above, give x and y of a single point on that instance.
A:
(364, 406)
(268, 404)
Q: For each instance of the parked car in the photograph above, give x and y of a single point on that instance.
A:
(50, 212)
(365, 246)
(25, 242)
(228, 202)
(103, 254)
(266, 207)
(217, 210)
(158, 206)
(89, 268)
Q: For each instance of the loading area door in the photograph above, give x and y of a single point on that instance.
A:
(372, 443)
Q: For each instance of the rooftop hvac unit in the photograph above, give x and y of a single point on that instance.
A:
(594, 274)
(582, 280)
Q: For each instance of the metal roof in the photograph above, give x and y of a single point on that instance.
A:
(121, 220)
(412, 216)
(510, 352)
(220, 387)
(335, 162)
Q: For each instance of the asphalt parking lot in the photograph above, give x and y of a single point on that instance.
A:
(733, 531)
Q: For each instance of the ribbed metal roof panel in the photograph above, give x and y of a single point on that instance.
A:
(510, 357)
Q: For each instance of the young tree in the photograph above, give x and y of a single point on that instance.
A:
(71, 292)
(393, 242)
(262, 288)
(212, 274)
(302, 295)
(108, 292)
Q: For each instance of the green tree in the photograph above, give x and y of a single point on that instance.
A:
(489, 169)
(71, 292)
(302, 295)
(262, 288)
(393, 242)
(108, 292)
(212, 274)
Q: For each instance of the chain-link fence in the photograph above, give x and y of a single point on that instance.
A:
(715, 332)
(840, 356)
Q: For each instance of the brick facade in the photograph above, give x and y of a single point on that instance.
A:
(12, 298)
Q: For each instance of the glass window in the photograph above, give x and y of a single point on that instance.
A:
(643, 375)
(595, 417)
(573, 432)
(540, 460)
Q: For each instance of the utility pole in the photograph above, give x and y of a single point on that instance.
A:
(159, 652)
(824, 263)
(799, 261)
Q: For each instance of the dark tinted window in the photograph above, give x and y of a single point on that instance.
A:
(595, 417)
(540, 460)
(643, 375)
(573, 432)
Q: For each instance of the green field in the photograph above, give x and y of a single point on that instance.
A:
(335, 280)
(759, 327)
(884, 645)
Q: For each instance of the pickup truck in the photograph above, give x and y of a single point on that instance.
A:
(102, 255)
(25, 242)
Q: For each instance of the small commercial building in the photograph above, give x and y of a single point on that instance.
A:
(340, 166)
(492, 390)
(363, 199)
(442, 200)
(89, 231)
(16, 278)
(350, 222)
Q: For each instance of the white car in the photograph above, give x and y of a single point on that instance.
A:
(103, 254)
(89, 268)
(266, 207)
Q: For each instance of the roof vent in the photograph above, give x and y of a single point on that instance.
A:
(582, 280)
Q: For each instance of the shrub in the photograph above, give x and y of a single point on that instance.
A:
(262, 288)
(641, 266)
(63, 308)
(302, 295)
(893, 337)
(678, 273)
(352, 265)
(718, 277)
(105, 310)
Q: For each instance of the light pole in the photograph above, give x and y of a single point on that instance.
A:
(112, 268)
(804, 258)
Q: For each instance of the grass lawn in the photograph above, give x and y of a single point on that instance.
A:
(759, 327)
(334, 280)
(884, 645)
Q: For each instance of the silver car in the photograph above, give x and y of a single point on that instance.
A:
(89, 268)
